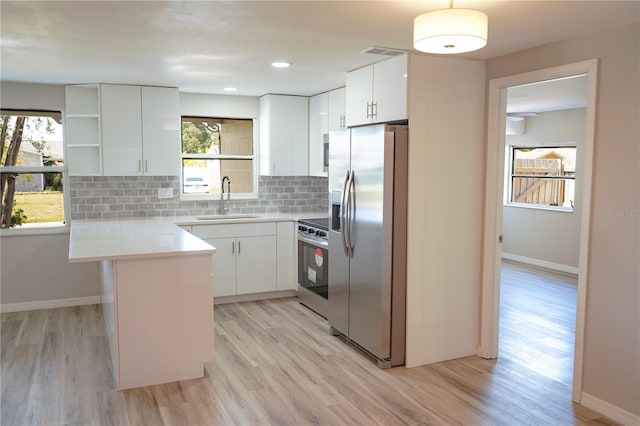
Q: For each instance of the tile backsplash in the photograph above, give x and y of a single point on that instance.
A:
(102, 197)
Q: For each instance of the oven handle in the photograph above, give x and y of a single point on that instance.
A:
(315, 243)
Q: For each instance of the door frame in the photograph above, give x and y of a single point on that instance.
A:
(494, 187)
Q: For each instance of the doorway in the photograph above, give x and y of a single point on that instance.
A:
(495, 183)
(545, 127)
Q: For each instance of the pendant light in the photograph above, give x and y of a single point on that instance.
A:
(449, 31)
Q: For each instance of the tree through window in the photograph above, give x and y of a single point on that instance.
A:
(31, 168)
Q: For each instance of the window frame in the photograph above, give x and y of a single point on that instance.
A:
(254, 158)
(510, 175)
(48, 228)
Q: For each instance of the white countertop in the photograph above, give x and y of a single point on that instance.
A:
(96, 240)
(91, 241)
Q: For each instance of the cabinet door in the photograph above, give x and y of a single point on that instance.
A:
(121, 113)
(390, 89)
(358, 95)
(318, 126)
(336, 109)
(287, 252)
(161, 131)
(256, 264)
(284, 135)
(224, 266)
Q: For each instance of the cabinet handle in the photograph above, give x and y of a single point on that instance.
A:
(238, 247)
(369, 109)
(139, 165)
(145, 166)
(374, 109)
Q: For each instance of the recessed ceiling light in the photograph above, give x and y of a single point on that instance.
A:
(230, 89)
(280, 64)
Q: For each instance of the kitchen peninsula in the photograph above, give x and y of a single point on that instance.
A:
(156, 297)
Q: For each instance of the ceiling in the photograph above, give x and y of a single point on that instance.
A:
(204, 46)
(551, 95)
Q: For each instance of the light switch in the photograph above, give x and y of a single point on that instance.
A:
(165, 193)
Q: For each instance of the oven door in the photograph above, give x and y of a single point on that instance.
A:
(313, 274)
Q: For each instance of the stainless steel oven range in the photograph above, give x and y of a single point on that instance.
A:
(313, 264)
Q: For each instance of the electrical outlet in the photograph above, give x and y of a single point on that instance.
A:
(165, 193)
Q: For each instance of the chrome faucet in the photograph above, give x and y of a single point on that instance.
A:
(224, 206)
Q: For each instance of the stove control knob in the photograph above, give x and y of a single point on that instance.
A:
(302, 228)
(321, 233)
(312, 231)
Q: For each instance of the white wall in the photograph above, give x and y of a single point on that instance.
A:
(612, 330)
(37, 268)
(550, 236)
(446, 166)
(32, 96)
(203, 105)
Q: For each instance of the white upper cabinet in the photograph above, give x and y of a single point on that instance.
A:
(337, 119)
(318, 127)
(359, 94)
(140, 130)
(121, 130)
(326, 113)
(161, 131)
(377, 93)
(284, 135)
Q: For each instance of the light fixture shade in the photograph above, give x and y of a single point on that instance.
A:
(450, 31)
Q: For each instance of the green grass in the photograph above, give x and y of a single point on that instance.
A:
(46, 206)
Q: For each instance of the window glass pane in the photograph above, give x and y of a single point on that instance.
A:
(40, 144)
(33, 198)
(205, 176)
(538, 176)
(217, 136)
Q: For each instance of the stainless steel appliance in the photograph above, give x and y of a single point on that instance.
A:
(313, 264)
(367, 239)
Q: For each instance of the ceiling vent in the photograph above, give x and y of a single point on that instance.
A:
(385, 51)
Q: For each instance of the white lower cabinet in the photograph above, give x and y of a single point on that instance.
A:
(255, 264)
(224, 266)
(246, 257)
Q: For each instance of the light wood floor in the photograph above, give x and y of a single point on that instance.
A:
(277, 364)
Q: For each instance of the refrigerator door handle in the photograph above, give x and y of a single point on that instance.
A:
(343, 213)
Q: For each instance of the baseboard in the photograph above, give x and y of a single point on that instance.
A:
(611, 411)
(49, 304)
(572, 270)
(255, 296)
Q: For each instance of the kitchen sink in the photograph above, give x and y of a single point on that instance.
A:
(226, 216)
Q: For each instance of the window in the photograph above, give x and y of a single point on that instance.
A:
(213, 148)
(31, 169)
(543, 177)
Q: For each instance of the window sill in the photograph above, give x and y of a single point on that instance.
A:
(537, 207)
(35, 229)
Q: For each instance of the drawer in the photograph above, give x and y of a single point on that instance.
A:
(234, 230)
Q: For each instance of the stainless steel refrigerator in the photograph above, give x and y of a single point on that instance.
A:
(367, 239)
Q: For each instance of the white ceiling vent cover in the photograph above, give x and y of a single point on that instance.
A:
(385, 51)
